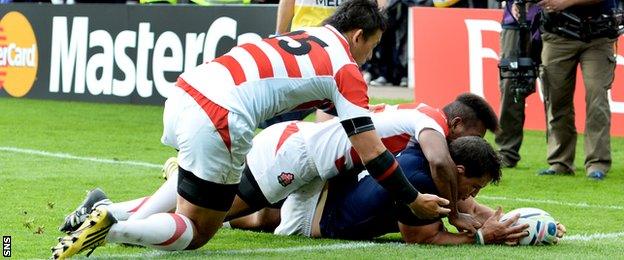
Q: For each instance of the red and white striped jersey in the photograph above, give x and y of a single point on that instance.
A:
(329, 148)
(302, 69)
(398, 126)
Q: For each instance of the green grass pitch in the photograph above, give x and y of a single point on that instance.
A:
(38, 189)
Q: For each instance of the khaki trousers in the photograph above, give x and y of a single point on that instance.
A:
(560, 58)
(509, 139)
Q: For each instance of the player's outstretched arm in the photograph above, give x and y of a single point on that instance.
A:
(437, 234)
(382, 166)
(434, 234)
(478, 211)
(444, 173)
(492, 232)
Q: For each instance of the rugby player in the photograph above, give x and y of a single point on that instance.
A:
(360, 209)
(287, 156)
(211, 114)
(291, 154)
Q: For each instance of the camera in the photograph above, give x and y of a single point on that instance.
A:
(521, 70)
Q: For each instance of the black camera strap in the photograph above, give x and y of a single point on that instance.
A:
(585, 29)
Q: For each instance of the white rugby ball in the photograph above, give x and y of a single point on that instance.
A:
(542, 227)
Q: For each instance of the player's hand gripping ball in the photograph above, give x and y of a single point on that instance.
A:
(542, 227)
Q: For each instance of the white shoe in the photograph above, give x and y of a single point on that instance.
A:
(381, 81)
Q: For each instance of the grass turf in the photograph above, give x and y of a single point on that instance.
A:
(39, 190)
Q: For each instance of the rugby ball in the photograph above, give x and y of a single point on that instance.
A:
(542, 227)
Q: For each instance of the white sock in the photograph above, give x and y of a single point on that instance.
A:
(123, 210)
(162, 201)
(165, 231)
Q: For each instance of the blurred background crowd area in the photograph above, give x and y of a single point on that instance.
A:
(388, 66)
(453, 3)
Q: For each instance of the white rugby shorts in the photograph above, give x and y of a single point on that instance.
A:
(280, 166)
(297, 212)
(203, 149)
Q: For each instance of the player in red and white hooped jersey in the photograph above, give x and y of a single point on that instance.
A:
(398, 126)
(254, 82)
(300, 70)
(289, 155)
(211, 116)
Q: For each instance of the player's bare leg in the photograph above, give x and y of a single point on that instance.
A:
(239, 208)
(206, 221)
(266, 220)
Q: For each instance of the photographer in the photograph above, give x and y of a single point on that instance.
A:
(509, 139)
(578, 32)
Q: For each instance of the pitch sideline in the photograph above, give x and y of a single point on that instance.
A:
(159, 166)
(81, 158)
(590, 237)
(342, 246)
(578, 205)
(579, 237)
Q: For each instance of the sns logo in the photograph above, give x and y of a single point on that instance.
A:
(6, 246)
(18, 54)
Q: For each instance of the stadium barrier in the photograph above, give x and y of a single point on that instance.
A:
(116, 53)
(456, 50)
(132, 53)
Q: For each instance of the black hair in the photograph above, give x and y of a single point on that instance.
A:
(472, 109)
(358, 14)
(477, 156)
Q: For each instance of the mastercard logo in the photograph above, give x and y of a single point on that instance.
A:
(18, 54)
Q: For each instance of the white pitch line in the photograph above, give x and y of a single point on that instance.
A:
(590, 237)
(74, 157)
(579, 204)
(580, 237)
(158, 166)
(354, 245)
(342, 246)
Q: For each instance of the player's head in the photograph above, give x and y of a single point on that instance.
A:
(362, 23)
(477, 165)
(470, 115)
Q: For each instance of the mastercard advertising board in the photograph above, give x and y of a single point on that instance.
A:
(18, 54)
(116, 53)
